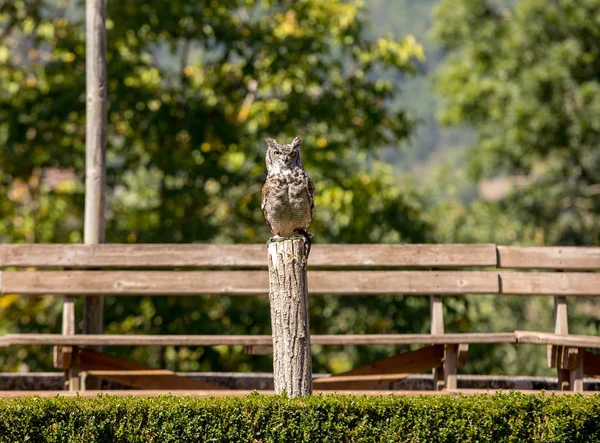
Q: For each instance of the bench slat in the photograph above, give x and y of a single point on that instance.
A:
(215, 340)
(245, 282)
(265, 340)
(577, 341)
(242, 256)
(321, 282)
(567, 258)
(550, 283)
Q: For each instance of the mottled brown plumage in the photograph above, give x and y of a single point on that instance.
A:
(288, 193)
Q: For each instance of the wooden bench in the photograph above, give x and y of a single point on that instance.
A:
(431, 270)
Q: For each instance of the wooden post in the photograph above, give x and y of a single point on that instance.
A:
(288, 296)
(69, 354)
(576, 374)
(450, 360)
(557, 354)
(437, 327)
(95, 160)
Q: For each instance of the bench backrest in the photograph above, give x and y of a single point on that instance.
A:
(199, 269)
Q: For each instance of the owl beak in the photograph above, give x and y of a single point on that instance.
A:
(285, 158)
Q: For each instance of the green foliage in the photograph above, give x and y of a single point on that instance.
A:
(193, 89)
(525, 75)
(499, 418)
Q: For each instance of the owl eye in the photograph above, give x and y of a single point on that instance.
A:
(277, 153)
(293, 154)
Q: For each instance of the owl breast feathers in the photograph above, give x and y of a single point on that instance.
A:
(288, 194)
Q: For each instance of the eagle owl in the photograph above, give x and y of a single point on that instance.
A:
(288, 194)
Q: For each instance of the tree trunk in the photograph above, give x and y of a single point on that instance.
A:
(288, 295)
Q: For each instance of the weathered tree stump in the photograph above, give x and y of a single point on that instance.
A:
(288, 296)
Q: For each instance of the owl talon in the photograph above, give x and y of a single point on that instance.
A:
(276, 239)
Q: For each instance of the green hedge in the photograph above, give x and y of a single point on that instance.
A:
(502, 417)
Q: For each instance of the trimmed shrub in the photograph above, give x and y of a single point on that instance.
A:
(510, 417)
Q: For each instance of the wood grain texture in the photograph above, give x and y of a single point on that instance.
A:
(214, 340)
(242, 256)
(561, 327)
(135, 374)
(95, 147)
(322, 256)
(68, 355)
(576, 374)
(450, 365)
(550, 283)
(95, 116)
(133, 255)
(577, 341)
(549, 257)
(426, 255)
(436, 312)
(134, 340)
(290, 321)
(246, 282)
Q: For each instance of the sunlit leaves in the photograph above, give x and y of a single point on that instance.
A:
(193, 88)
(526, 77)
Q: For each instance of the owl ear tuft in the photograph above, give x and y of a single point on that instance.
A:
(297, 142)
(271, 143)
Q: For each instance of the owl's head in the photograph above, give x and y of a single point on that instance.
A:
(282, 157)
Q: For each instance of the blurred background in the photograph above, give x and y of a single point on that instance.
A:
(423, 121)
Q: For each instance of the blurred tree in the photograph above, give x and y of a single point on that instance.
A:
(526, 76)
(194, 87)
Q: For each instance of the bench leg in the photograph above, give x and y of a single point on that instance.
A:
(450, 365)
(564, 379)
(438, 378)
(576, 373)
(72, 380)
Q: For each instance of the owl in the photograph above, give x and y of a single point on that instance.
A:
(288, 194)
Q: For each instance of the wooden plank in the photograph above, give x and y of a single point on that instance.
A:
(383, 372)
(246, 282)
(549, 283)
(567, 258)
(258, 349)
(134, 374)
(423, 255)
(251, 340)
(130, 372)
(242, 256)
(135, 340)
(576, 341)
(134, 255)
